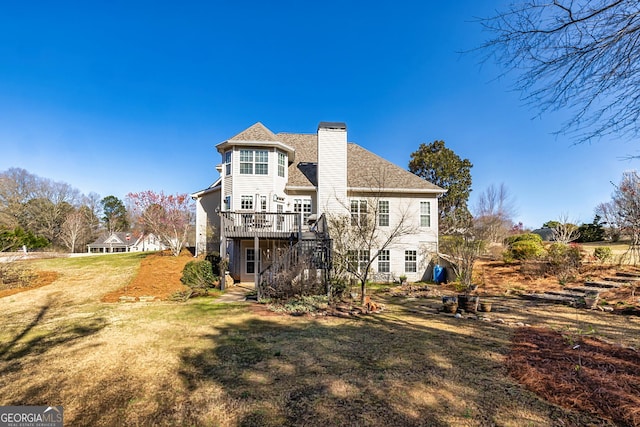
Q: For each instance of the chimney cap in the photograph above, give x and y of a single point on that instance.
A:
(332, 125)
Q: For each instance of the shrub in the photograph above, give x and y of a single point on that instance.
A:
(339, 288)
(602, 253)
(523, 237)
(198, 275)
(464, 249)
(214, 258)
(301, 304)
(526, 249)
(564, 260)
(298, 280)
(523, 247)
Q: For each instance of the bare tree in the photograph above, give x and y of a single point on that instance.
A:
(564, 231)
(462, 250)
(75, 229)
(580, 55)
(623, 212)
(358, 236)
(17, 187)
(92, 203)
(494, 212)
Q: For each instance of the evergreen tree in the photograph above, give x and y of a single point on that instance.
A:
(442, 167)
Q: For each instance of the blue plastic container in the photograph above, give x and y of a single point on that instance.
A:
(439, 274)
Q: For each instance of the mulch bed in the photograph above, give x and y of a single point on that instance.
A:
(577, 372)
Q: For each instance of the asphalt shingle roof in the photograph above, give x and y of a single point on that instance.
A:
(365, 170)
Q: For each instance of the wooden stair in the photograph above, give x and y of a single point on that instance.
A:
(576, 294)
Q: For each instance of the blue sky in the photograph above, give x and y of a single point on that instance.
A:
(121, 96)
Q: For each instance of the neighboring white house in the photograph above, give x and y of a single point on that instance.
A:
(125, 242)
(273, 186)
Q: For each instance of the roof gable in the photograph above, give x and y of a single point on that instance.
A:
(113, 239)
(257, 132)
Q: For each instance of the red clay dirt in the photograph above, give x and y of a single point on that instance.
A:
(159, 276)
(43, 278)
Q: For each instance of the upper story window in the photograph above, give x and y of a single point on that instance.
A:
(246, 202)
(254, 162)
(227, 203)
(425, 214)
(383, 213)
(282, 161)
(227, 162)
(358, 212)
(262, 162)
(246, 162)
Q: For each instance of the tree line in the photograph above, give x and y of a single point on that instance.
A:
(38, 213)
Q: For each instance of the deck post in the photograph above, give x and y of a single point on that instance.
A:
(257, 267)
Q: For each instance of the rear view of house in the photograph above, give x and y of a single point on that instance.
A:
(276, 191)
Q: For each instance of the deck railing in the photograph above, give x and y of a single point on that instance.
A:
(261, 224)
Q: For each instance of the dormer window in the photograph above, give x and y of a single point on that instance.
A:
(254, 162)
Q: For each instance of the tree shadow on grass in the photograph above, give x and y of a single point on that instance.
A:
(36, 339)
(375, 371)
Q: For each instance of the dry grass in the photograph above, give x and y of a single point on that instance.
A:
(202, 363)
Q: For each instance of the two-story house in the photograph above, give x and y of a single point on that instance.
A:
(274, 187)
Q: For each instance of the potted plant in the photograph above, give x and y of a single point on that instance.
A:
(591, 300)
(403, 279)
(449, 304)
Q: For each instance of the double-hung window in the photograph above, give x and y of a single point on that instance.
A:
(282, 161)
(262, 162)
(246, 162)
(358, 212)
(383, 213)
(425, 214)
(254, 162)
(357, 260)
(227, 162)
(384, 261)
(410, 261)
